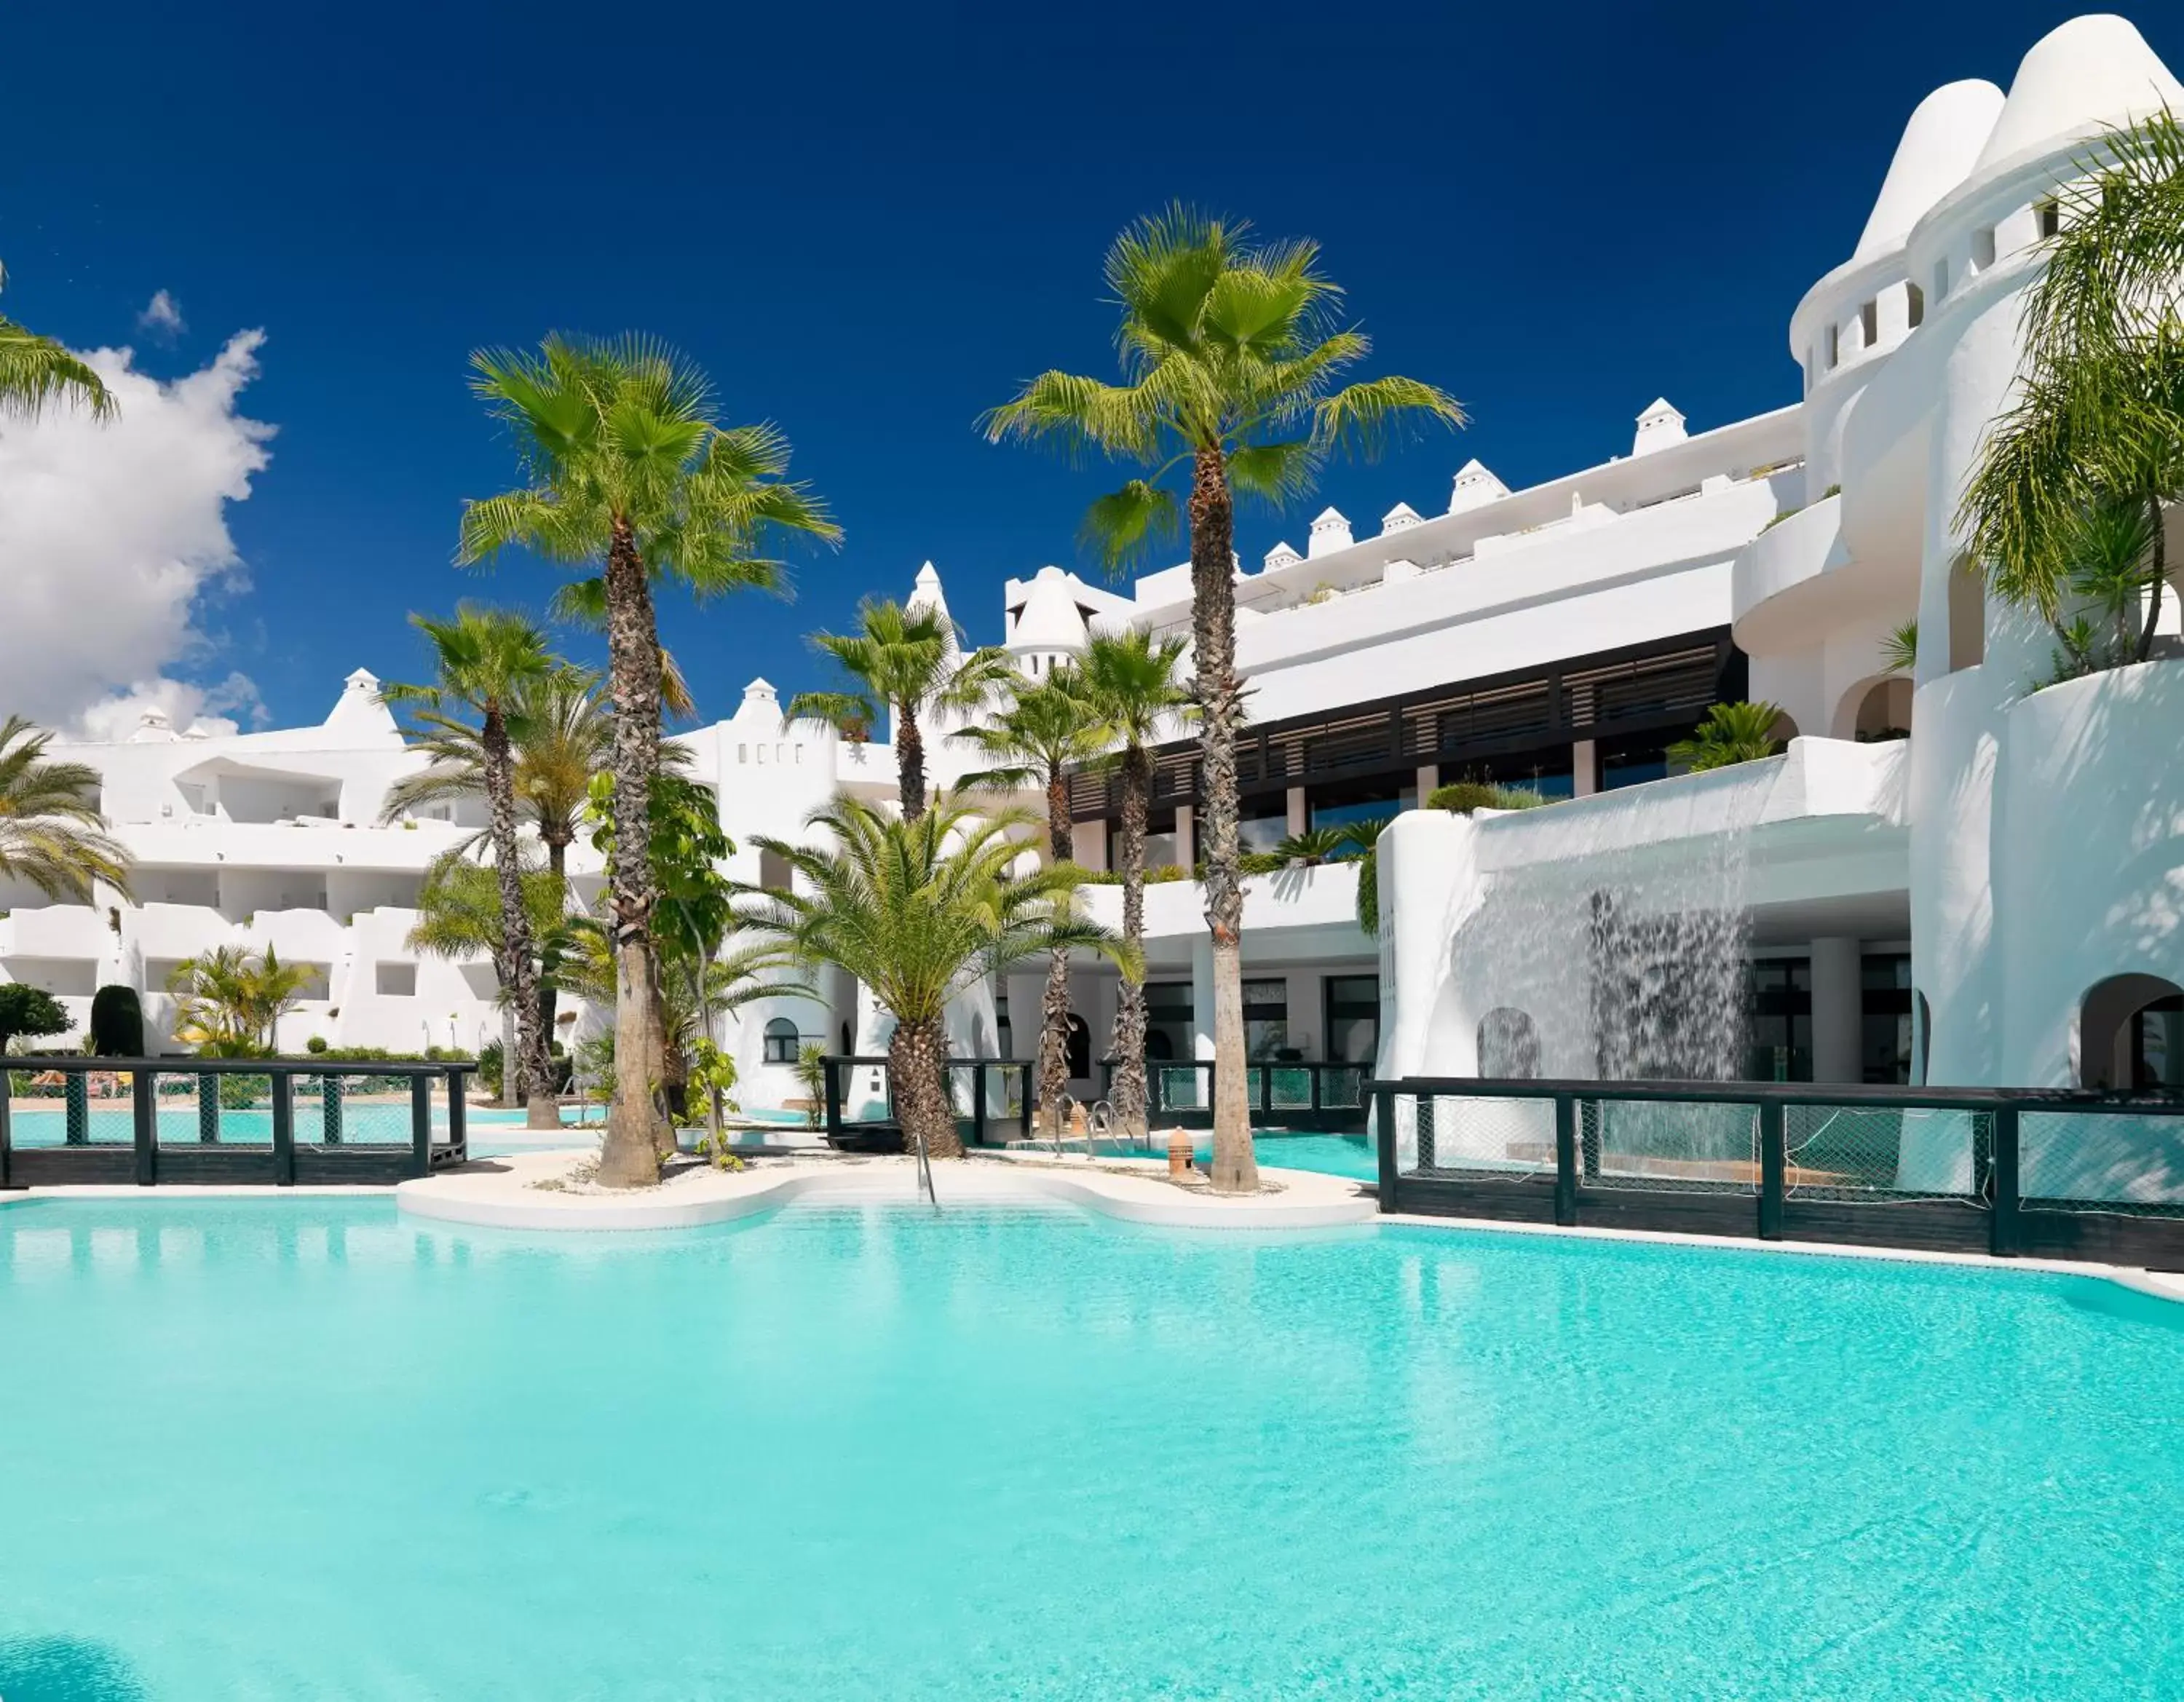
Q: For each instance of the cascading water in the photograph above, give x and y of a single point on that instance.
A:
(1624, 955)
(1620, 956)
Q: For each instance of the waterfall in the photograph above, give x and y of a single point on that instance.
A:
(1613, 940)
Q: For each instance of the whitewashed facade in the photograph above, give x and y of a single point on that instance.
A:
(1945, 877)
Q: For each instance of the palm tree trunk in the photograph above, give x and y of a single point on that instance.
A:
(2159, 568)
(511, 1050)
(910, 762)
(1220, 702)
(628, 1157)
(1054, 1005)
(519, 971)
(550, 958)
(916, 1053)
(1128, 1093)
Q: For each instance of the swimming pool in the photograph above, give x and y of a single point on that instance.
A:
(380, 1122)
(302, 1447)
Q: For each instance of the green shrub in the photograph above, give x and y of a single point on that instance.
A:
(117, 1023)
(492, 1066)
(1464, 796)
(315, 1044)
(29, 1010)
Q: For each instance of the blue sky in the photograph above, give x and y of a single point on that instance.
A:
(869, 224)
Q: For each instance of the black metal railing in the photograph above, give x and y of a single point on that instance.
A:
(271, 1121)
(992, 1096)
(1326, 1098)
(2009, 1171)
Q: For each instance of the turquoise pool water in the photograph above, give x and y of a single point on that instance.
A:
(303, 1448)
(369, 1124)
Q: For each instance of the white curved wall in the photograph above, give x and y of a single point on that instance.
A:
(2089, 855)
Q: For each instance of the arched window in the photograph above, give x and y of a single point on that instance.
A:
(1080, 1049)
(782, 1041)
(1922, 1035)
(2131, 1033)
(1508, 1045)
(849, 1040)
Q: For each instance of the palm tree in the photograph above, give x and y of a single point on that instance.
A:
(1231, 355)
(628, 467)
(1046, 729)
(1900, 649)
(35, 370)
(459, 915)
(561, 734)
(912, 663)
(2098, 422)
(583, 603)
(1312, 848)
(1731, 733)
(1129, 681)
(486, 660)
(229, 1000)
(915, 909)
(50, 832)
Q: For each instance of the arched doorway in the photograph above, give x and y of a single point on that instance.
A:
(1876, 712)
(1080, 1049)
(2131, 1033)
(1508, 1045)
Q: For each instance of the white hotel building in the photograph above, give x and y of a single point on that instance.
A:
(1947, 877)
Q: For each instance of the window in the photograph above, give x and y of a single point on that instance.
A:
(1914, 306)
(782, 1042)
(1265, 1020)
(1353, 1019)
(1869, 324)
(1779, 1010)
(1078, 1052)
(1835, 346)
(1885, 1037)
(1169, 1033)
(395, 980)
(2050, 215)
(773, 872)
(1983, 247)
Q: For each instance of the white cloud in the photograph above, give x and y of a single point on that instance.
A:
(109, 533)
(187, 707)
(162, 317)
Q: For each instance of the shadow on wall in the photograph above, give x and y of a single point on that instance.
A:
(66, 1669)
(2094, 807)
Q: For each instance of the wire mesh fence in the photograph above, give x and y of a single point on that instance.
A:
(2108, 1161)
(1881, 1153)
(1444, 1136)
(1180, 1088)
(1287, 1090)
(1342, 1088)
(351, 1111)
(1676, 1146)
